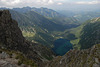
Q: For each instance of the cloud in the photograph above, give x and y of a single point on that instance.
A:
(44, 2)
(19, 3)
(89, 2)
(59, 3)
(50, 1)
(10, 2)
(53, 4)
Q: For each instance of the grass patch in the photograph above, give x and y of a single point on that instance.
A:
(28, 34)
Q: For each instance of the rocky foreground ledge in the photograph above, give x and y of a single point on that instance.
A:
(78, 58)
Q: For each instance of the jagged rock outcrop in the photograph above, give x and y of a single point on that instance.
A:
(7, 61)
(11, 38)
(78, 58)
(10, 35)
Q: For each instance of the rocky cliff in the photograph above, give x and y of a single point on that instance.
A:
(12, 39)
(76, 58)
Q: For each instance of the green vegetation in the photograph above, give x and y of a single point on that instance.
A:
(84, 36)
(45, 31)
(28, 34)
(24, 60)
(48, 58)
(90, 35)
(65, 21)
(35, 27)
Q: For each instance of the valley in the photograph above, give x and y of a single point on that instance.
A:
(45, 26)
(41, 29)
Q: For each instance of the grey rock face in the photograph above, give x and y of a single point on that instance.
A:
(10, 34)
(3, 55)
(7, 64)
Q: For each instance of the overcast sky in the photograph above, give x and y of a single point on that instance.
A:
(54, 4)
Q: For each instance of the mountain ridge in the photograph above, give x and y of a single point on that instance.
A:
(12, 39)
(32, 23)
(43, 11)
(86, 33)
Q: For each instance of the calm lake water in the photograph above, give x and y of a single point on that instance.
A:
(62, 46)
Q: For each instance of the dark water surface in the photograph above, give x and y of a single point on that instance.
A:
(62, 46)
